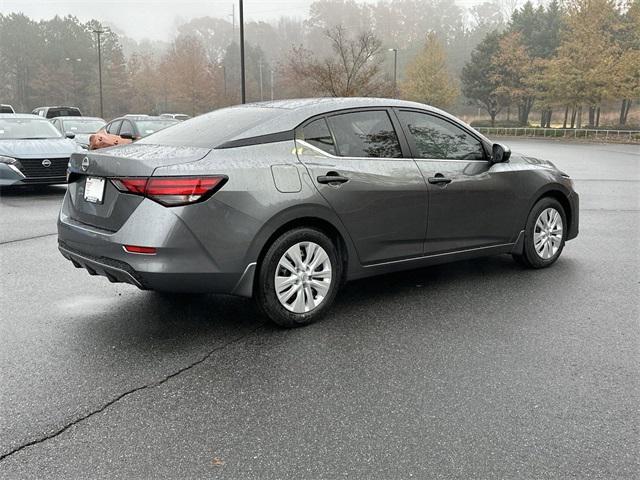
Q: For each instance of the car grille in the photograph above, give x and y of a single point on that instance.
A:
(34, 170)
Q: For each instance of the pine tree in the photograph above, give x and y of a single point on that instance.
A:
(427, 77)
(479, 77)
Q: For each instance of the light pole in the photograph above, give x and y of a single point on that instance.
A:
(243, 91)
(224, 79)
(261, 88)
(73, 69)
(271, 83)
(395, 69)
(99, 32)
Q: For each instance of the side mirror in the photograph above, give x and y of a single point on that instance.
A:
(70, 135)
(500, 153)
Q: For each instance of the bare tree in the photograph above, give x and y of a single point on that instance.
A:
(353, 70)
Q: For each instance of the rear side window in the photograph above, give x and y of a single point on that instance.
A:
(436, 138)
(365, 134)
(317, 134)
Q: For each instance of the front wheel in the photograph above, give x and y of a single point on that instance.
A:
(298, 277)
(545, 234)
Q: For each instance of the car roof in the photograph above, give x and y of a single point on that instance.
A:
(295, 111)
(23, 116)
(57, 106)
(141, 117)
(76, 118)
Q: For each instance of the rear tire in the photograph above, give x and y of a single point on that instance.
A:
(545, 234)
(298, 278)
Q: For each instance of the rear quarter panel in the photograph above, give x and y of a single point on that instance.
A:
(236, 223)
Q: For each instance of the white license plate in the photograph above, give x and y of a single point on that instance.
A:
(94, 189)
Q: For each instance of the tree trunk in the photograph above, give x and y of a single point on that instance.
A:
(579, 121)
(526, 109)
(624, 111)
(543, 117)
(592, 116)
(549, 114)
(508, 113)
(493, 118)
(598, 116)
(574, 111)
(566, 115)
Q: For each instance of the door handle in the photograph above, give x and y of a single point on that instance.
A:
(439, 179)
(331, 178)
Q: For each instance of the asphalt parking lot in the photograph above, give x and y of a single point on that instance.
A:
(478, 369)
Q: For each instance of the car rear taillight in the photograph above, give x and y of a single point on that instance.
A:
(171, 191)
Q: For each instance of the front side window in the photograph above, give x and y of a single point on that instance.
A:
(365, 134)
(436, 138)
(317, 134)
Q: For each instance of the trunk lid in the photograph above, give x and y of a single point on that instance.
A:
(133, 160)
(117, 162)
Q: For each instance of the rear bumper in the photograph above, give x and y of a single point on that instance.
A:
(181, 263)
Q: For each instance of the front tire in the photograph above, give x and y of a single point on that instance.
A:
(545, 234)
(298, 277)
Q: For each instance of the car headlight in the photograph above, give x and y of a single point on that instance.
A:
(7, 160)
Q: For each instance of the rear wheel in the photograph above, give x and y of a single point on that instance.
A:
(545, 234)
(298, 278)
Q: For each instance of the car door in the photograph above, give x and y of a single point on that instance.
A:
(470, 199)
(356, 161)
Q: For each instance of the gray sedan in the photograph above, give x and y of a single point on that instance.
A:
(284, 201)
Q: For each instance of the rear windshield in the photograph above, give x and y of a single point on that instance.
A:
(27, 129)
(63, 112)
(83, 126)
(213, 129)
(147, 127)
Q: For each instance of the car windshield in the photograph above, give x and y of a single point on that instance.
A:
(27, 129)
(83, 126)
(213, 129)
(147, 127)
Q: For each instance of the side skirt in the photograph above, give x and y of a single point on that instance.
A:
(440, 258)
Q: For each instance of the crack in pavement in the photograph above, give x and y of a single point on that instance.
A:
(127, 393)
(28, 238)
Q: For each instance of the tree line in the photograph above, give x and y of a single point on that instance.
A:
(557, 59)
(560, 57)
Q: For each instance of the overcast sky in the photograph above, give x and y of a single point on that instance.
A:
(156, 19)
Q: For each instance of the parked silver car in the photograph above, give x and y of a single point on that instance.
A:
(79, 129)
(283, 201)
(32, 151)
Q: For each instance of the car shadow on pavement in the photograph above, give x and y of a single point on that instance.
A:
(146, 321)
(152, 321)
